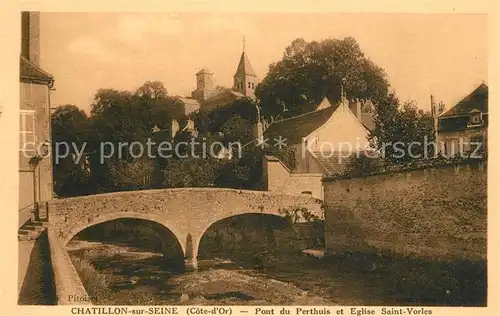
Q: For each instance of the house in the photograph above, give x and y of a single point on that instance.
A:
(325, 138)
(465, 122)
(35, 175)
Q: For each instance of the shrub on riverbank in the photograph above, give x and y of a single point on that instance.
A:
(96, 284)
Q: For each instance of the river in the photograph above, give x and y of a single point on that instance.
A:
(127, 275)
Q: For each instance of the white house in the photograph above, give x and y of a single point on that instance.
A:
(324, 139)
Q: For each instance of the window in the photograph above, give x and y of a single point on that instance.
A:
(249, 84)
(27, 131)
(476, 118)
(27, 92)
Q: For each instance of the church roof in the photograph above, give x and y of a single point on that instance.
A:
(297, 127)
(244, 67)
(189, 101)
(204, 71)
(29, 70)
(477, 99)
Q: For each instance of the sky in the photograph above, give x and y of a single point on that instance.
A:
(441, 54)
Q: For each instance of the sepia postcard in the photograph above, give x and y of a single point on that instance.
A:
(207, 160)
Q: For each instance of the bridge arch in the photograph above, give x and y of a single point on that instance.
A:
(263, 223)
(123, 215)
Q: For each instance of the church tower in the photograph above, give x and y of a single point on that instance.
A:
(245, 79)
(204, 85)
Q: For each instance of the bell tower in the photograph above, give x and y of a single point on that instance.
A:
(245, 79)
(204, 85)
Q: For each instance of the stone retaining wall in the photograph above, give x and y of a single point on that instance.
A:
(67, 281)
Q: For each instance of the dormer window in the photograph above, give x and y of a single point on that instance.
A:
(476, 118)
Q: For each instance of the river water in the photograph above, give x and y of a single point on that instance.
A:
(127, 275)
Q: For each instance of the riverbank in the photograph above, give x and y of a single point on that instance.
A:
(140, 277)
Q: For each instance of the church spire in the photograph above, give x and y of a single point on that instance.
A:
(245, 79)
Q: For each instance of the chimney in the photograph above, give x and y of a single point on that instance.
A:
(174, 128)
(30, 36)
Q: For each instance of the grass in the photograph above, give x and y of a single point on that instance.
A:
(96, 284)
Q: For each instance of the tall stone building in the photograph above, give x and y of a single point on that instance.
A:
(207, 98)
(35, 175)
(245, 79)
(204, 85)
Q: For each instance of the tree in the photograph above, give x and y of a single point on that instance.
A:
(191, 172)
(237, 129)
(130, 175)
(127, 117)
(402, 132)
(310, 71)
(244, 108)
(69, 127)
(152, 90)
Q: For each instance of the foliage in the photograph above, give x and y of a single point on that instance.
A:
(401, 131)
(237, 129)
(245, 108)
(191, 172)
(245, 172)
(364, 164)
(130, 175)
(123, 116)
(296, 214)
(95, 283)
(310, 71)
(69, 126)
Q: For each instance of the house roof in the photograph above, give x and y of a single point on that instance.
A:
(368, 121)
(457, 118)
(297, 127)
(477, 99)
(29, 70)
(457, 123)
(244, 67)
(333, 162)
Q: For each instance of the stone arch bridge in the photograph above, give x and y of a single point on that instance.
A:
(186, 212)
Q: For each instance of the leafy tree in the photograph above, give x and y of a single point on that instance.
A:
(310, 71)
(244, 107)
(237, 129)
(152, 90)
(402, 131)
(364, 163)
(129, 175)
(245, 172)
(127, 117)
(191, 172)
(69, 125)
